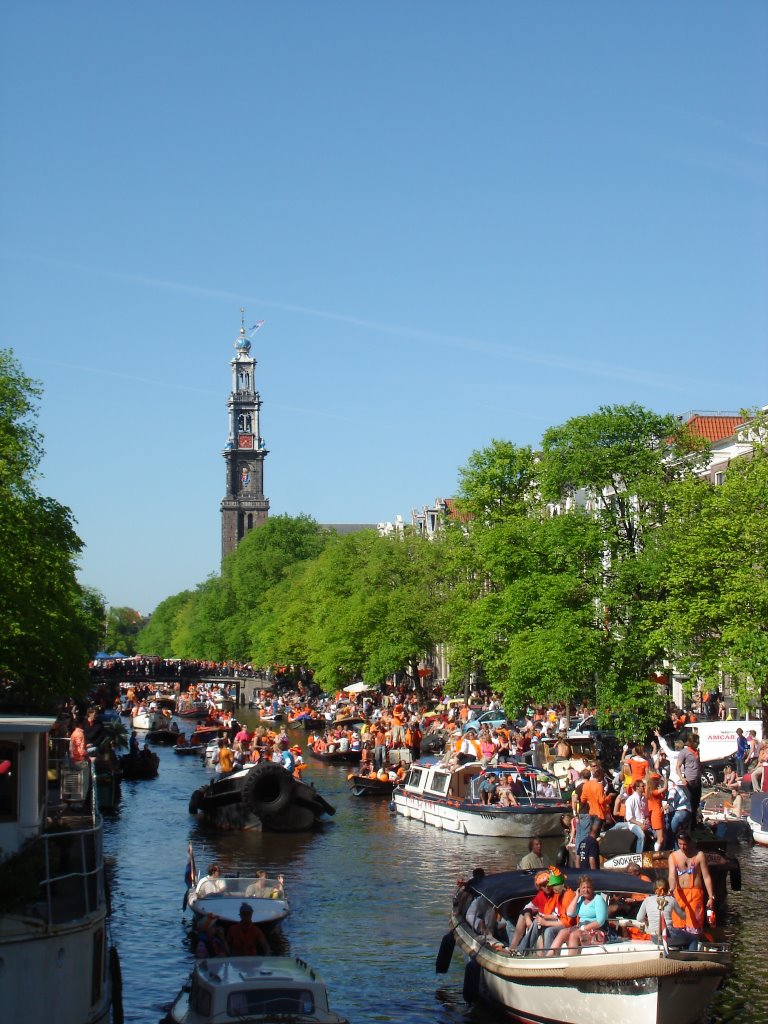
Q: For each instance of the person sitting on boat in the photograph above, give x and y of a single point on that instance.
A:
(211, 883)
(487, 788)
(246, 938)
(545, 787)
(554, 918)
(470, 748)
(591, 912)
(133, 744)
(211, 940)
(526, 929)
(689, 882)
(636, 816)
(661, 906)
(174, 727)
(506, 797)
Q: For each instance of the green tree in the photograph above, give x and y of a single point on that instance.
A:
(713, 557)
(51, 624)
(123, 628)
(156, 635)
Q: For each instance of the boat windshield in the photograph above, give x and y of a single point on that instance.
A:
(271, 1001)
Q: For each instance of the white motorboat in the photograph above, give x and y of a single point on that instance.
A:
(621, 981)
(757, 819)
(250, 989)
(449, 797)
(150, 719)
(53, 922)
(265, 896)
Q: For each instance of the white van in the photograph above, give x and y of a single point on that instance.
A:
(717, 742)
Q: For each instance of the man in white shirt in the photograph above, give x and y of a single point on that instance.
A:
(636, 815)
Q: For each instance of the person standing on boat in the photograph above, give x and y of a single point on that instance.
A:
(691, 884)
(688, 768)
(78, 752)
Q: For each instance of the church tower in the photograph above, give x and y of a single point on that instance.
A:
(244, 505)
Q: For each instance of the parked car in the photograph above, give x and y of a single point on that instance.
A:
(493, 719)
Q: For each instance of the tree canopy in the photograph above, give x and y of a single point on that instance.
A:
(51, 624)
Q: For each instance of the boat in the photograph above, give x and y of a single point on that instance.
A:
(142, 764)
(188, 749)
(191, 709)
(252, 988)
(757, 819)
(364, 785)
(150, 720)
(336, 756)
(448, 797)
(53, 898)
(624, 980)
(260, 796)
(616, 848)
(163, 737)
(269, 905)
(205, 733)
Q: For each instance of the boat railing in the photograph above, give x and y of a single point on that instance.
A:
(69, 853)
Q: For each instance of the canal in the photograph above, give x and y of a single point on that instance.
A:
(370, 895)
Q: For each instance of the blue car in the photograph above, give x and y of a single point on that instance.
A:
(493, 719)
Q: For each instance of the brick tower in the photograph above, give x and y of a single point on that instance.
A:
(244, 505)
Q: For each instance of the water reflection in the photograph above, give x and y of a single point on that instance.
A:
(370, 896)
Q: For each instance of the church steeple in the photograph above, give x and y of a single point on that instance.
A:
(244, 505)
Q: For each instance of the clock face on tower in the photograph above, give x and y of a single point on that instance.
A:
(245, 440)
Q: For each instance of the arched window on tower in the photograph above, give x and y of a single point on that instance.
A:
(250, 520)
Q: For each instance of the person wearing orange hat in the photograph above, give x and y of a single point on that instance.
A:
(554, 917)
(526, 931)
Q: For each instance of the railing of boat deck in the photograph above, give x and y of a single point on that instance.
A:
(72, 884)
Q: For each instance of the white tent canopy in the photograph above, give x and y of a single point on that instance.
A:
(357, 688)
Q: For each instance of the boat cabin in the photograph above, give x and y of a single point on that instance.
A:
(245, 988)
(463, 782)
(23, 779)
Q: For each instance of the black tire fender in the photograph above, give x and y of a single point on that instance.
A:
(268, 789)
(471, 988)
(116, 977)
(735, 876)
(195, 801)
(445, 953)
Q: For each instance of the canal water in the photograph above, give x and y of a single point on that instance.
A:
(370, 895)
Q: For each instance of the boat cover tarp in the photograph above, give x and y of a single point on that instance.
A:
(513, 885)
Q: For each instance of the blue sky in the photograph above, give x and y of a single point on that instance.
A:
(459, 221)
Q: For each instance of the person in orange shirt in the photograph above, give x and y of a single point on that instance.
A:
(554, 917)
(593, 793)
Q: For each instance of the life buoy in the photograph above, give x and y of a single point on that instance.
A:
(195, 801)
(116, 978)
(268, 789)
(445, 953)
(471, 987)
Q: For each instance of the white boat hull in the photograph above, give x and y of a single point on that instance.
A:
(484, 820)
(759, 834)
(639, 1001)
(150, 720)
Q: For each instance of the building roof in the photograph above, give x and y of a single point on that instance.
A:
(714, 426)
